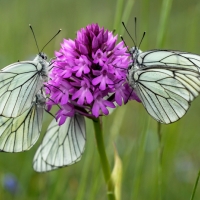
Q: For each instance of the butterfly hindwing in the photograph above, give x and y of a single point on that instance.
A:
(39, 164)
(61, 145)
(166, 92)
(21, 133)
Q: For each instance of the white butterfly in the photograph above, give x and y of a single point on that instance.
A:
(22, 105)
(165, 81)
(61, 145)
(19, 84)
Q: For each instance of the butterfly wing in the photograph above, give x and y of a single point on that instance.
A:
(39, 164)
(169, 59)
(166, 92)
(19, 83)
(21, 133)
(61, 145)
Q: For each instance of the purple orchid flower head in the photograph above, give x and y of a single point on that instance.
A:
(89, 74)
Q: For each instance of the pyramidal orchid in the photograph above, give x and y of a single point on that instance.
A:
(89, 74)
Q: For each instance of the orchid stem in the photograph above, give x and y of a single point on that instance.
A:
(103, 158)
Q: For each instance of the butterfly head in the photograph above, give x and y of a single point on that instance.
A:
(42, 55)
(42, 59)
(134, 51)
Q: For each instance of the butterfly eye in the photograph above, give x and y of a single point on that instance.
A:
(132, 50)
(43, 56)
(129, 67)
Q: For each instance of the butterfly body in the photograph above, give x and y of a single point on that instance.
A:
(165, 81)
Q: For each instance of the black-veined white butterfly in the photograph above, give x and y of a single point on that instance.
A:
(166, 81)
(22, 104)
(61, 145)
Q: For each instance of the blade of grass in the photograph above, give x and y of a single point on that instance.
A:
(160, 153)
(195, 186)
(140, 158)
(118, 15)
(97, 181)
(165, 11)
(164, 16)
(126, 15)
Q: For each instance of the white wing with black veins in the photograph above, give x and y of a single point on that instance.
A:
(61, 145)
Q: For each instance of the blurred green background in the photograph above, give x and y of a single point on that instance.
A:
(129, 127)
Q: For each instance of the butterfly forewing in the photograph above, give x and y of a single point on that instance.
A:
(19, 83)
(62, 145)
(169, 59)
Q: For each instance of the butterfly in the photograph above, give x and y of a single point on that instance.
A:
(22, 102)
(166, 82)
(22, 107)
(61, 145)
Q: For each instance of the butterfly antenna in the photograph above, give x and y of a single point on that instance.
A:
(135, 30)
(54, 102)
(50, 114)
(124, 43)
(50, 89)
(34, 37)
(130, 95)
(51, 39)
(141, 40)
(51, 63)
(129, 33)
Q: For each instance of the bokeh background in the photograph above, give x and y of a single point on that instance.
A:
(130, 128)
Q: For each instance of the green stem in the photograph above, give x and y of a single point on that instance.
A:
(160, 152)
(126, 14)
(103, 158)
(159, 132)
(118, 15)
(195, 186)
(164, 16)
(165, 11)
(140, 160)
